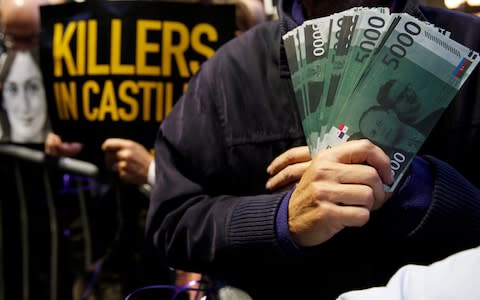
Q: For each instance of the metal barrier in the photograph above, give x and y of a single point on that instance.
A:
(36, 158)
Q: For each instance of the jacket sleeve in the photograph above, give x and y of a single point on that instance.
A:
(449, 224)
(195, 220)
(198, 224)
(453, 218)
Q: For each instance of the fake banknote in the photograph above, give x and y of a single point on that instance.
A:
(385, 77)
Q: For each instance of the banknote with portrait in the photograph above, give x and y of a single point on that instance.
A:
(396, 76)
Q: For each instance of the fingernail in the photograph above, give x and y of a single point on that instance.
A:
(268, 185)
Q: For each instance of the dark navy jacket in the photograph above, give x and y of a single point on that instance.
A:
(210, 211)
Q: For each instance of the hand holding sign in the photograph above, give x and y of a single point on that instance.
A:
(117, 69)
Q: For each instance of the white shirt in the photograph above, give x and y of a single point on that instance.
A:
(455, 277)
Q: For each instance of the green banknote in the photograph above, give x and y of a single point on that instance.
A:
(323, 72)
(372, 24)
(342, 26)
(412, 77)
(292, 49)
(313, 39)
(290, 41)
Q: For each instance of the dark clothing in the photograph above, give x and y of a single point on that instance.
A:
(210, 211)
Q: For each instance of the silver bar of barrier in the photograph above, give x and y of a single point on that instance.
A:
(64, 163)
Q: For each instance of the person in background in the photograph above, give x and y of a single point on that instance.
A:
(332, 228)
(20, 30)
(20, 26)
(248, 13)
(131, 161)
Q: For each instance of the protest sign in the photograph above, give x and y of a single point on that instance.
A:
(116, 68)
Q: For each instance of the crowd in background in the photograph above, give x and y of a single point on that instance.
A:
(122, 260)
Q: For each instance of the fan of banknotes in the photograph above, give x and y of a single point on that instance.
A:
(369, 73)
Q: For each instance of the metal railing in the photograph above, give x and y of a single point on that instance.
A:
(21, 154)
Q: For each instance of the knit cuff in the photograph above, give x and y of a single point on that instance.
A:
(253, 222)
(284, 236)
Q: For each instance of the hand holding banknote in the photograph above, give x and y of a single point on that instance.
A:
(338, 189)
(396, 77)
(287, 168)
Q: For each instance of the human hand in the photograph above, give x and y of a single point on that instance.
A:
(129, 158)
(54, 146)
(339, 189)
(287, 168)
(191, 280)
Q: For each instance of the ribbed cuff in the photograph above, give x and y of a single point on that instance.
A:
(283, 233)
(253, 222)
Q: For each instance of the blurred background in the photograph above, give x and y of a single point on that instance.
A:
(472, 6)
(47, 236)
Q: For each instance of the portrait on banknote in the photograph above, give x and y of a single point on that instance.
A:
(387, 77)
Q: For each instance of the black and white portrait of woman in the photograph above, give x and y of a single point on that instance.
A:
(23, 103)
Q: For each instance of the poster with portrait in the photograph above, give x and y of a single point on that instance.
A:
(23, 109)
(116, 68)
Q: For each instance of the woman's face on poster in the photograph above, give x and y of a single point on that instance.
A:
(24, 99)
